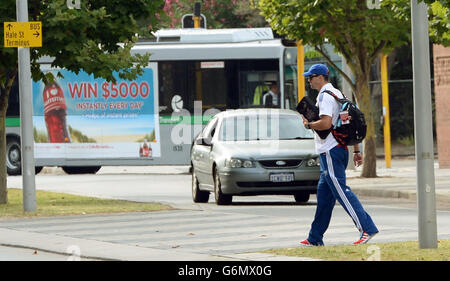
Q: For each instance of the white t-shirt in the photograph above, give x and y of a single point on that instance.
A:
(327, 106)
(274, 98)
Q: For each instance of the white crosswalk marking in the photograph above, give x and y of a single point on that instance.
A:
(208, 232)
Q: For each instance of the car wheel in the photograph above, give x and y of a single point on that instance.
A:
(13, 157)
(301, 197)
(198, 196)
(221, 199)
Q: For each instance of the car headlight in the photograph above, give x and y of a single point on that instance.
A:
(239, 163)
(313, 162)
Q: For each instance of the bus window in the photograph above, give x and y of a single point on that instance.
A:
(13, 103)
(255, 78)
(255, 85)
(290, 87)
(173, 94)
(183, 82)
(212, 85)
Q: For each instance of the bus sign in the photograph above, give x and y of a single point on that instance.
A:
(82, 117)
(23, 34)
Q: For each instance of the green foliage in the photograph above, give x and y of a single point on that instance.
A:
(394, 251)
(96, 38)
(218, 13)
(439, 22)
(63, 204)
(349, 25)
(406, 141)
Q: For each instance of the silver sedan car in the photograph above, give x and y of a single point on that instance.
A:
(254, 152)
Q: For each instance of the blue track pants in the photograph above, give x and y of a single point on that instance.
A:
(331, 187)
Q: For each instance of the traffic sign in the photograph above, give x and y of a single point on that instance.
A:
(23, 34)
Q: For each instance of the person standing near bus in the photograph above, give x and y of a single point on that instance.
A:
(333, 163)
(272, 96)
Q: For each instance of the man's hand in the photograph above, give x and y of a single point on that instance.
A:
(357, 159)
(305, 121)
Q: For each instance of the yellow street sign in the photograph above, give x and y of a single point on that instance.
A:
(23, 34)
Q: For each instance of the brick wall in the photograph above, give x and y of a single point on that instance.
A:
(442, 92)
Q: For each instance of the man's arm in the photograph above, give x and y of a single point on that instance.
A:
(323, 124)
(357, 156)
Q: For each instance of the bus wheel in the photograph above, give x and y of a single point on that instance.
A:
(75, 170)
(13, 165)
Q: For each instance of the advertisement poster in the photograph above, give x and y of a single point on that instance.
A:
(81, 117)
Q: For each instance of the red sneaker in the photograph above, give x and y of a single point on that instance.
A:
(306, 243)
(365, 237)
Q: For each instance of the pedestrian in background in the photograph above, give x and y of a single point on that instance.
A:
(270, 99)
(333, 163)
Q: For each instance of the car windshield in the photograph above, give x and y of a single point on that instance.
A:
(263, 126)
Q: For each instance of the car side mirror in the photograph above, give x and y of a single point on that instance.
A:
(203, 141)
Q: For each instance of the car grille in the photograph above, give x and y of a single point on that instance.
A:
(289, 163)
(276, 184)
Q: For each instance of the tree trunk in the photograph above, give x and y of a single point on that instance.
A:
(3, 186)
(4, 99)
(364, 102)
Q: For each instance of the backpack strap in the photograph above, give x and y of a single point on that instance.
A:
(334, 96)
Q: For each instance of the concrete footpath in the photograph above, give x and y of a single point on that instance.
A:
(399, 181)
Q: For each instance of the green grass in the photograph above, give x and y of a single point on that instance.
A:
(396, 251)
(61, 204)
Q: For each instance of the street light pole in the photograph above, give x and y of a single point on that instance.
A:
(26, 118)
(423, 127)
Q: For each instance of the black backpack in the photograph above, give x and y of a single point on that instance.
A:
(351, 126)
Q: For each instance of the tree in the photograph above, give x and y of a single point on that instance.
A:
(218, 13)
(440, 22)
(357, 32)
(96, 38)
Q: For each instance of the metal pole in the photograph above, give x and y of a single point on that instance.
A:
(347, 90)
(300, 70)
(26, 118)
(386, 113)
(426, 201)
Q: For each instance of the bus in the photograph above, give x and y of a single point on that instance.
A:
(82, 123)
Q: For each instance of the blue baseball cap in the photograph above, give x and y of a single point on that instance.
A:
(319, 69)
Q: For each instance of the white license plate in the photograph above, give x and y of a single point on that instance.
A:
(282, 177)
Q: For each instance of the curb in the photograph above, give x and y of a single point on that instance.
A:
(400, 194)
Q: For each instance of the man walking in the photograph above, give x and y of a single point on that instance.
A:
(333, 163)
